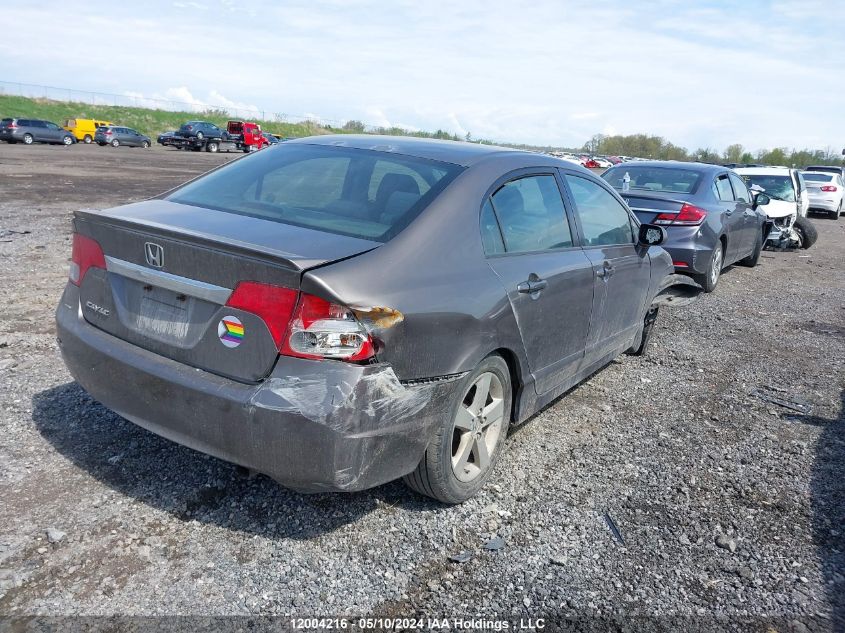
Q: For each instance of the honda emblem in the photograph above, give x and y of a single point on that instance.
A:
(154, 254)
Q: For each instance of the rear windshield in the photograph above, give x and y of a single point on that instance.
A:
(360, 193)
(777, 187)
(669, 179)
(818, 177)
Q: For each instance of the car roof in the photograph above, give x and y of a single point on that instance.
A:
(762, 171)
(674, 164)
(457, 152)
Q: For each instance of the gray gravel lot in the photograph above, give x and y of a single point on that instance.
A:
(726, 503)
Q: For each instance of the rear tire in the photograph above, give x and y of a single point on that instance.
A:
(115, 143)
(211, 147)
(804, 227)
(835, 214)
(709, 279)
(754, 257)
(200, 136)
(469, 441)
(87, 139)
(648, 327)
(28, 139)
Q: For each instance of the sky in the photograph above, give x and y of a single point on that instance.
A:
(707, 73)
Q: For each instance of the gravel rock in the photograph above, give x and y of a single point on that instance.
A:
(725, 542)
(54, 535)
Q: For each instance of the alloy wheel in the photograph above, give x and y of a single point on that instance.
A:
(477, 426)
(716, 264)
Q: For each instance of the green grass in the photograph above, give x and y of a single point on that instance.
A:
(146, 121)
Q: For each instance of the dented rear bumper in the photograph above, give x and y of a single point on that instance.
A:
(311, 425)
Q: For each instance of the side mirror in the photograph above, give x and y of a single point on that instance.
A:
(761, 199)
(651, 235)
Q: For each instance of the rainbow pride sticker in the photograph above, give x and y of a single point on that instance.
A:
(230, 331)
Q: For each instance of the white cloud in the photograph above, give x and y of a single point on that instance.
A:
(700, 74)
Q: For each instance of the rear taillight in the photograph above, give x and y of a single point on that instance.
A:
(107, 132)
(320, 329)
(86, 254)
(828, 188)
(273, 304)
(12, 126)
(689, 215)
(303, 325)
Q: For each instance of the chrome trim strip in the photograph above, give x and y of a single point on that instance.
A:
(647, 210)
(184, 285)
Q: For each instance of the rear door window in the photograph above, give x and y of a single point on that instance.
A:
(723, 188)
(740, 190)
(491, 235)
(604, 220)
(531, 215)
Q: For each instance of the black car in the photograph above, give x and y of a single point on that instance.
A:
(166, 138)
(29, 131)
(711, 217)
(116, 136)
(200, 130)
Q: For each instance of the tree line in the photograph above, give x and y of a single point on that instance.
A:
(658, 148)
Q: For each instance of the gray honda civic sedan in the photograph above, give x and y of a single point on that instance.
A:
(711, 218)
(338, 312)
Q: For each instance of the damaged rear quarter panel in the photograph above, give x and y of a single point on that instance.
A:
(379, 426)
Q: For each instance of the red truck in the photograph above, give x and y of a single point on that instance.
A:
(242, 136)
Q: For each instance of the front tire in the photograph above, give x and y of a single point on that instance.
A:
(469, 442)
(752, 260)
(67, 140)
(807, 232)
(145, 145)
(212, 147)
(709, 279)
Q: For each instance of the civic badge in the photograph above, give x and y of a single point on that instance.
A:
(154, 254)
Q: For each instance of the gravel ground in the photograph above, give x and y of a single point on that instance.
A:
(724, 503)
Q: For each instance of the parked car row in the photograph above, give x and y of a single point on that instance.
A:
(716, 215)
(593, 161)
(195, 135)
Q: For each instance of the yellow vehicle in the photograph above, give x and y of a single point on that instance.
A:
(83, 129)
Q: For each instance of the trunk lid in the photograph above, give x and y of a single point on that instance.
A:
(647, 206)
(170, 268)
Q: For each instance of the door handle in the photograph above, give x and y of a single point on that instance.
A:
(531, 286)
(605, 271)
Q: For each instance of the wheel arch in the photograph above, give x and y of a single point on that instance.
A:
(515, 370)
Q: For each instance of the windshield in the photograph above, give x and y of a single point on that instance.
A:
(669, 179)
(818, 177)
(360, 193)
(777, 187)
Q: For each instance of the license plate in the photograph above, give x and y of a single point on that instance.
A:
(163, 319)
